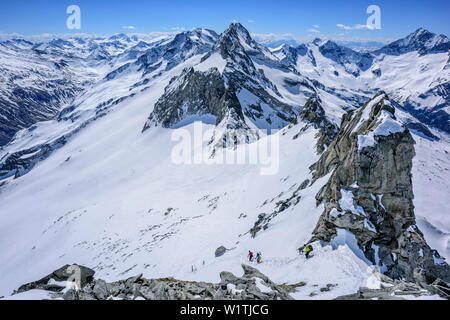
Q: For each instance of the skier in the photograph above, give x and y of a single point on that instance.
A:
(258, 257)
(250, 256)
(307, 250)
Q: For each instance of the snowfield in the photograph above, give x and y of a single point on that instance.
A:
(111, 198)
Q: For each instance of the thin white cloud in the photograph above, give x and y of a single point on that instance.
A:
(251, 21)
(316, 26)
(129, 27)
(314, 31)
(361, 26)
(178, 28)
(355, 27)
(341, 26)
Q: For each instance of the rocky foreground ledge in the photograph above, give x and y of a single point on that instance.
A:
(74, 282)
(253, 285)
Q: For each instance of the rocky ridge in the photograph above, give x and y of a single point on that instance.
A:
(253, 285)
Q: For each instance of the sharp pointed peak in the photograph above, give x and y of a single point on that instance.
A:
(420, 31)
(236, 33)
(236, 25)
(318, 41)
(237, 28)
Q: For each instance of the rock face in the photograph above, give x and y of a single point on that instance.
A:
(196, 94)
(370, 193)
(253, 285)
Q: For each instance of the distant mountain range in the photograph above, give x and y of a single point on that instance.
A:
(45, 77)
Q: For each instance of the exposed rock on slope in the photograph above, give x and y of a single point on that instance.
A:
(253, 285)
(314, 113)
(347, 57)
(370, 193)
(196, 94)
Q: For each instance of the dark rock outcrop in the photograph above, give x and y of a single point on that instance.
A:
(195, 94)
(220, 251)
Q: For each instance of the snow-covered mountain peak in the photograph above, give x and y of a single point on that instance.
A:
(236, 38)
(237, 29)
(353, 62)
(120, 36)
(423, 41)
(317, 41)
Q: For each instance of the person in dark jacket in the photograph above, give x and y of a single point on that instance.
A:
(250, 256)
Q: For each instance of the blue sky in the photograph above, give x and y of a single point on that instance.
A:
(298, 18)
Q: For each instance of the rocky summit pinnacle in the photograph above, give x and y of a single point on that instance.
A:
(369, 195)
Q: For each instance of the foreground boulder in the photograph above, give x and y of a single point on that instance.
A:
(56, 281)
(390, 289)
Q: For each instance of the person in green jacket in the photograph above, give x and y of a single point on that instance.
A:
(307, 250)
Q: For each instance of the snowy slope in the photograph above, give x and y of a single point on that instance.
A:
(118, 219)
(431, 173)
(110, 197)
